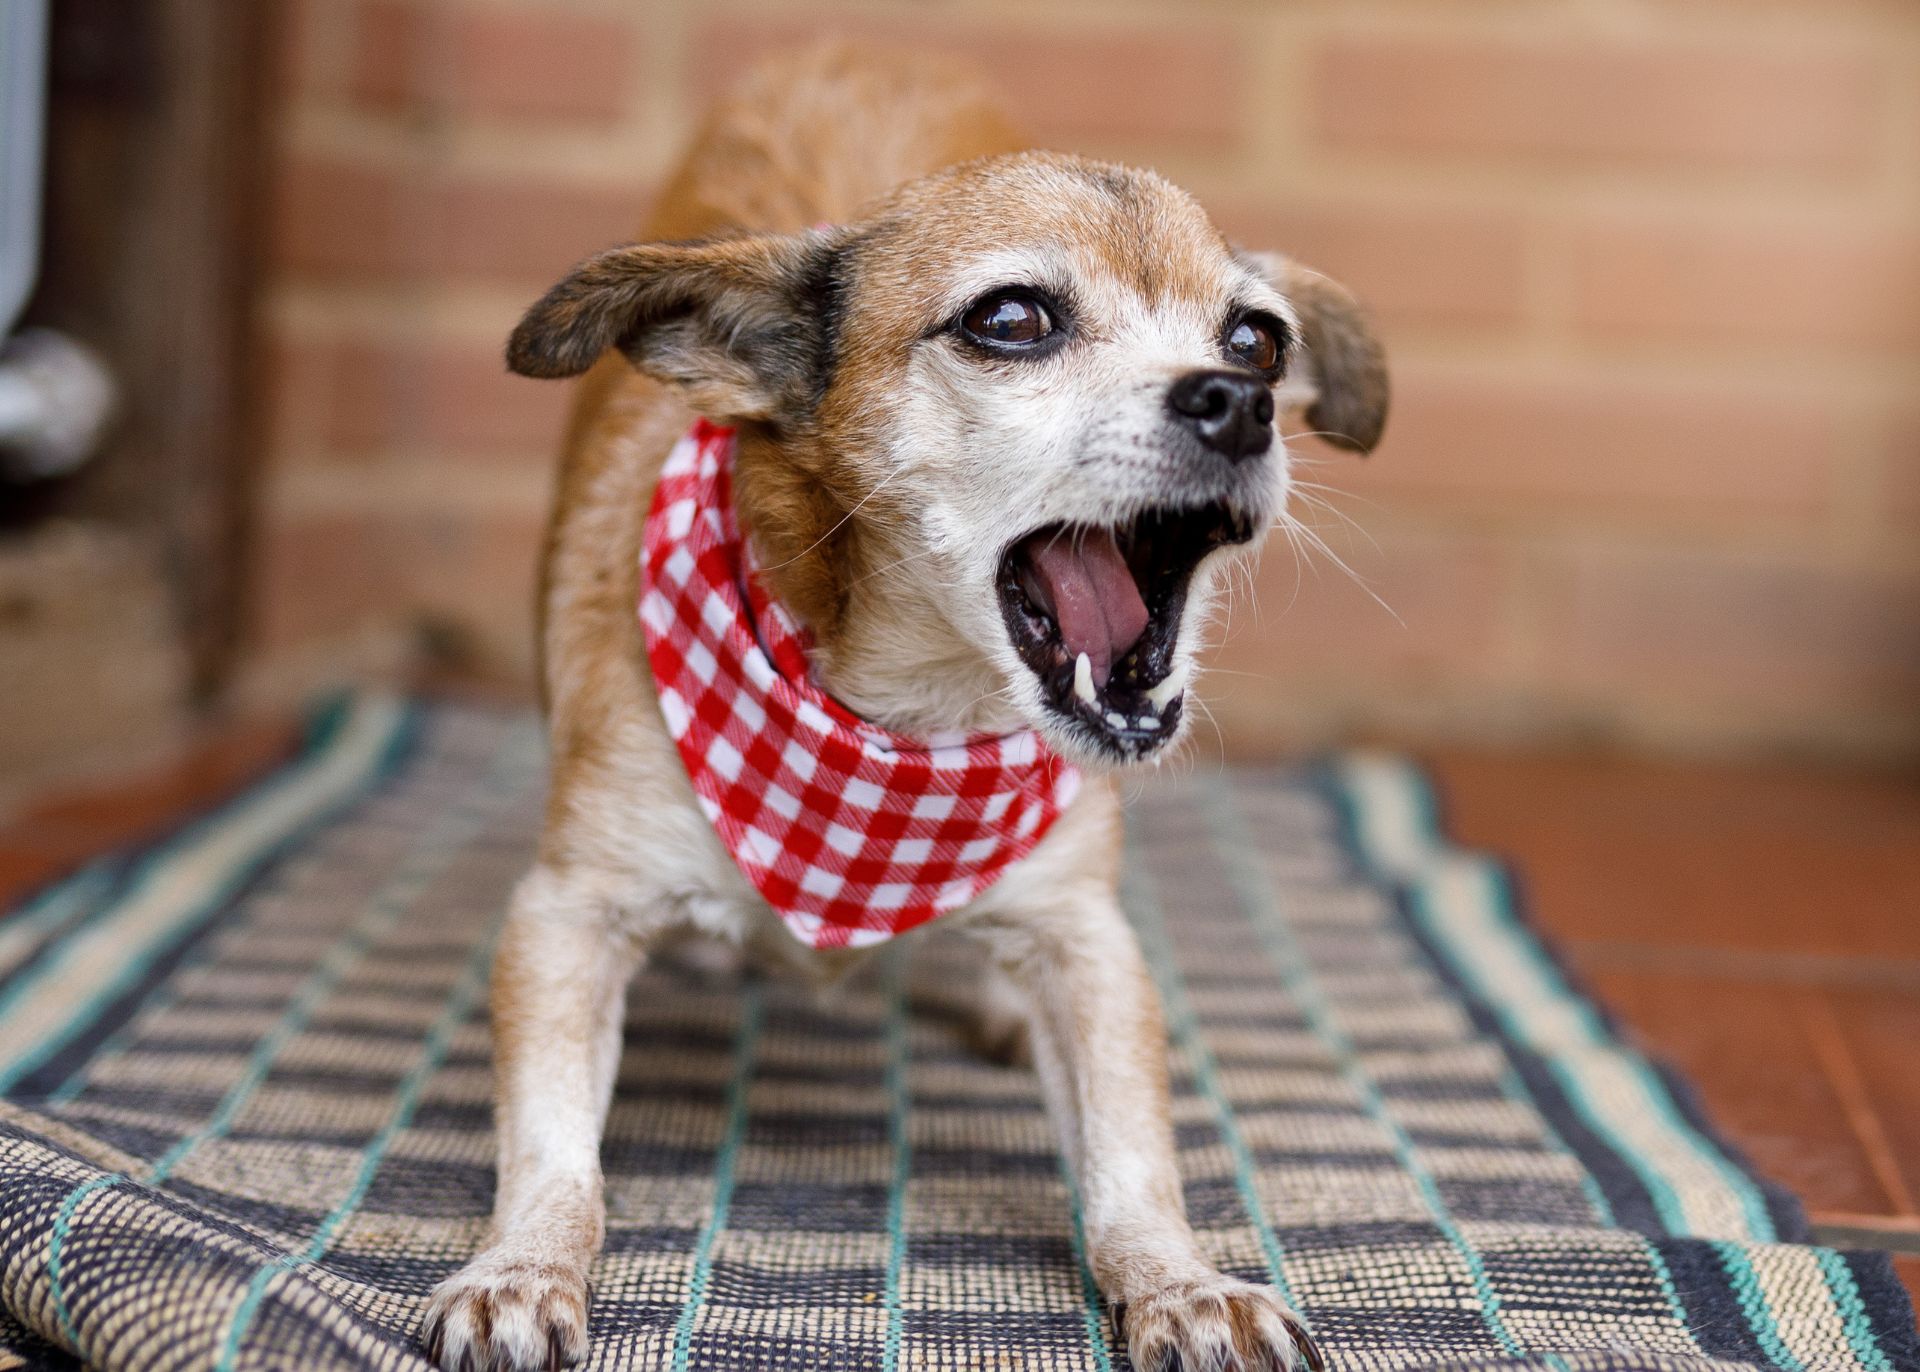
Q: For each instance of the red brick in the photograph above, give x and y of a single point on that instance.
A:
(1720, 629)
(538, 63)
(305, 63)
(295, 379)
(345, 396)
(1452, 266)
(1900, 475)
(1734, 106)
(1440, 619)
(473, 405)
(374, 395)
(1182, 82)
(392, 54)
(529, 231)
(1579, 443)
(355, 395)
(470, 572)
(321, 575)
(337, 218)
(1839, 283)
(468, 579)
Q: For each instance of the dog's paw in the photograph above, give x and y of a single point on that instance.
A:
(500, 1314)
(1216, 1324)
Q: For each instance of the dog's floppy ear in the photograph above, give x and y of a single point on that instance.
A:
(744, 325)
(1347, 366)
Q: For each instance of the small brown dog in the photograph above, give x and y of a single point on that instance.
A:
(1002, 418)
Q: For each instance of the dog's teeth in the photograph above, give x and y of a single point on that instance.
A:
(1175, 683)
(1083, 679)
(1116, 719)
(1147, 722)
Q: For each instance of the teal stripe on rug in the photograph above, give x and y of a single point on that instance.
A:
(1235, 847)
(423, 864)
(899, 1059)
(1702, 1190)
(1753, 1303)
(1091, 1304)
(1513, 1087)
(67, 903)
(459, 1008)
(1388, 796)
(745, 1046)
(184, 879)
(1142, 902)
(1853, 1314)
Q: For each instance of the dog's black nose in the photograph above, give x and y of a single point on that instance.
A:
(1230, 412)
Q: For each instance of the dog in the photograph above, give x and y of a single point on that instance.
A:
(995, 422)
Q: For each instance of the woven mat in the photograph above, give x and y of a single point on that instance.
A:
(246, 1117)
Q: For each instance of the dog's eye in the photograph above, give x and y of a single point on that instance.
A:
(1254, 343)
(1008, 319)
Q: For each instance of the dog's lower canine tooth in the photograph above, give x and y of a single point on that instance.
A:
(1175, 683)
(1083, 679)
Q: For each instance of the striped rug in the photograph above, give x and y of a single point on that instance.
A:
(245, 1119)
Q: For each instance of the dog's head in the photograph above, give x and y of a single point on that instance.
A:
(1000, 437)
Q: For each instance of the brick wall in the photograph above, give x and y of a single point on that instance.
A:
(1649, 272)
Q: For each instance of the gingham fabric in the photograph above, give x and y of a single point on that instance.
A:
(246, 1117)
(851, 832)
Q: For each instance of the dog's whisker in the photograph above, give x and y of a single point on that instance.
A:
(1313, 502)
(899, 469)
(1316, 433)
(895, 565)
(1299, 533)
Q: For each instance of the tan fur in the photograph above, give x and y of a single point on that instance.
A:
(835, 194)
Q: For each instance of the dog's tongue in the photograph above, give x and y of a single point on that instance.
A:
(1094, 600)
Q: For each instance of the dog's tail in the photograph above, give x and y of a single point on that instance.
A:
(811, 136)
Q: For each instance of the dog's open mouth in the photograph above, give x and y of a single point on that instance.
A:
(1095, 614)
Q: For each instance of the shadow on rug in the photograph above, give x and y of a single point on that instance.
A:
(246, 1117)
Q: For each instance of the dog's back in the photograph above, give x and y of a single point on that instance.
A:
(811, 136)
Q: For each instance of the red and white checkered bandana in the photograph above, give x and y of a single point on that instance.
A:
(851, 832)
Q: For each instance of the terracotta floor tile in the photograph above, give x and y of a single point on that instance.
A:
(1741, 858)
(1882, 1032)
(137, 805)
(78, 822)
(23, 867)
(1746, 1047)
(1909, 1270)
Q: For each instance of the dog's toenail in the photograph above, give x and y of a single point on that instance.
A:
(1310, 1353)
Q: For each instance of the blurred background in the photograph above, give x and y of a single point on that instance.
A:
(1645, 516)
(1649, 274)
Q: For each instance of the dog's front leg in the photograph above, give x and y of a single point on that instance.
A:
(559, 986)
(1100, 1046)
